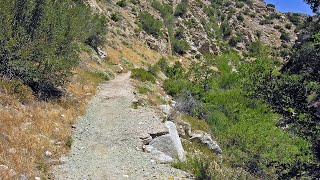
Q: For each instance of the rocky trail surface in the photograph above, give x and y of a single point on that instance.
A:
(106, 139)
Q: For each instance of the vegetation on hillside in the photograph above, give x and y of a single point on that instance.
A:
(39, 40)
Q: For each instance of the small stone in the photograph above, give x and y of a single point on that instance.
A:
(126, 176)
(147, 140)
(58, 143)
(73, 126)
(12, 173)
(148, 148)
(62, 115)
(48, 154)
(12, 150)
(37, 178)
(23, 177)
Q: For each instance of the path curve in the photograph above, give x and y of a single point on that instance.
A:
(106, 139)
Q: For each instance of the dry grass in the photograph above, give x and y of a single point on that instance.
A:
(29, 127)
(137, 53)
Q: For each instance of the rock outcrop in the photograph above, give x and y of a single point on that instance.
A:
(169, 144)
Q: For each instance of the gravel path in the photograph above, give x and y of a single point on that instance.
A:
(106, 139)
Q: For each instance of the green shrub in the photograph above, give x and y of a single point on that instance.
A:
(149, 24)
(196, 166)
(180, 46)
(234, 40)
(142, 75)
(288, 26)
(285, 36)
(225, 28)
(239, 4)
(277, 27)
(42, 48)
(182, 8)
(122, 3)
(175, 87)
(271, 5)
(115, 17)
(240, 17)
(163, 64)
(265, 21)
(295, 19)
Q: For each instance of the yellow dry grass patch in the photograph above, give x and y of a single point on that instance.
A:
(136, 53)
(29, 129)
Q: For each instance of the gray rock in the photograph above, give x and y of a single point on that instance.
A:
(147, 140)
(165, 109)
(161, 157)
(170, 144)
(165, 144)
(148, 148)
(176, 140)
(23, 177)
(206, 139)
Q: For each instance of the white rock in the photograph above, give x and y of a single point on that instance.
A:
(23, 177)
(37, 178)
(161, 157)
(170, 144)
(206, 139)
(148, 148)
(147, 140)
(12, 173)
(176, 139)
(165, 109)
(48, 154)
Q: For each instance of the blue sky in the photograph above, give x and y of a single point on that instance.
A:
(298, 6)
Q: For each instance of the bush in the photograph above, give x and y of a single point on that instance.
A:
(225, 28)
(44, 43)
(285, 36)
(149, 24)
(240, 17)
(180, 46)
(277, 27)
(115, 17)
(234, 40)
(182, 8)
(265, 21)
(288, 26)
(239, 4)
(142, 75)
(271, 5)
(122, 3)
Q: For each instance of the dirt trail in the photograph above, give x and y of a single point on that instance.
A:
(106, 139)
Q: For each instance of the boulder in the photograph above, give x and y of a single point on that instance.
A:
(158, 131)
(169, 144)
(161, 157)
(206, 140)
(165, 109)
(165, 144)
(176, 140)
